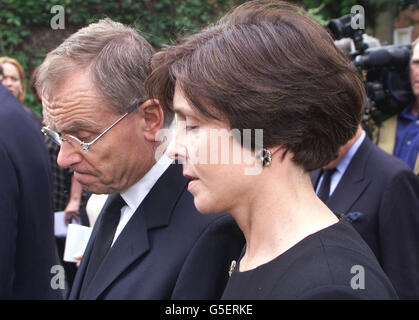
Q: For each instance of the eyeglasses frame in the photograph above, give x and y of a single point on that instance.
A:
(56, 137)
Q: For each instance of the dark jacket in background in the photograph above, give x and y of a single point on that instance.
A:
(27, 246)
(380, 195)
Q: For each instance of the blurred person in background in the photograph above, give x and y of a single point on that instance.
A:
(14, 77)
(14, 80)
(399, 135)
(28, 255)
(379, 194)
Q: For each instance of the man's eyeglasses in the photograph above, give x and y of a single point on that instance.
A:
(75, 142)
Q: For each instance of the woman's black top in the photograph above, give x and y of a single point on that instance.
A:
(333, 263)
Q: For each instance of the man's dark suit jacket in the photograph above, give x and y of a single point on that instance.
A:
(380, 195)
(168, 250)
(27, 245)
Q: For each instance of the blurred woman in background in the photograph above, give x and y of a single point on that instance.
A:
(14, 80)
(14, 77)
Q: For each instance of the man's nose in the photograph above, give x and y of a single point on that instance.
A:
(176, 151)
(68, 155)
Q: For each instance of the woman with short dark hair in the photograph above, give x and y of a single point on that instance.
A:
(268, 68)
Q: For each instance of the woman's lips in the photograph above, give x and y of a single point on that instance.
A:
(192, 182)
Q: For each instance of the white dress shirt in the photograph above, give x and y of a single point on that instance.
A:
(135, 194)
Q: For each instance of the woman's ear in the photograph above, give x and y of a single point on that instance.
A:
(152, 118)
(277, 149)
(267, 155)
(279, 152)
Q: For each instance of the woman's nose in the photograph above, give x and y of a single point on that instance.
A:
(176, 151)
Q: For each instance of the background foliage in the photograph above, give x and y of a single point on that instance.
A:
(26, 35)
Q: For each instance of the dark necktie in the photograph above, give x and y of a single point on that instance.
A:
(324, 190)
(104, 238)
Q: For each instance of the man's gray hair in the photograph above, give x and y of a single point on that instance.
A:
(114, 56)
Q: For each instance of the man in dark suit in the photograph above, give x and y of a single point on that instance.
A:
(28, 258)
(149, 241)
(379, 194)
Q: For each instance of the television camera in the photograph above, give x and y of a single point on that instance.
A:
(385, 71)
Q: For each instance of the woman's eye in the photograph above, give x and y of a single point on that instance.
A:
(191, 128)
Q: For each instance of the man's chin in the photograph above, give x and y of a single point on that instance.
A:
(89, 182)
(415, 89)
(97, 190)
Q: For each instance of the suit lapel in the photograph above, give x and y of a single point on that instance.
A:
(315, 176)
(78, 280)
(130, 245)
(353, 183)
(133, 242)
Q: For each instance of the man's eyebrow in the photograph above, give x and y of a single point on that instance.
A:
(80, 125)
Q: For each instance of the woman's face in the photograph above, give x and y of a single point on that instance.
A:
(218, 166)
(11, 79)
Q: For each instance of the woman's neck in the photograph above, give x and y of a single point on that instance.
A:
(278, 216)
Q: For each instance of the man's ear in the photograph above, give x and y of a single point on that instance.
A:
(152, 118)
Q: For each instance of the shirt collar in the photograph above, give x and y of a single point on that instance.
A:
(346, 160)
(406, 114)
(135, 194)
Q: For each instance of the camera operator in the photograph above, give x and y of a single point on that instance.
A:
(399, 135)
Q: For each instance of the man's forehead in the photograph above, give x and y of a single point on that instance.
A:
(72, 122)
(59, 99)
(65, 111)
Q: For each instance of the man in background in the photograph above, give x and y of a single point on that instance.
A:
(28, 257)
(399, 135)
(379, 194)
